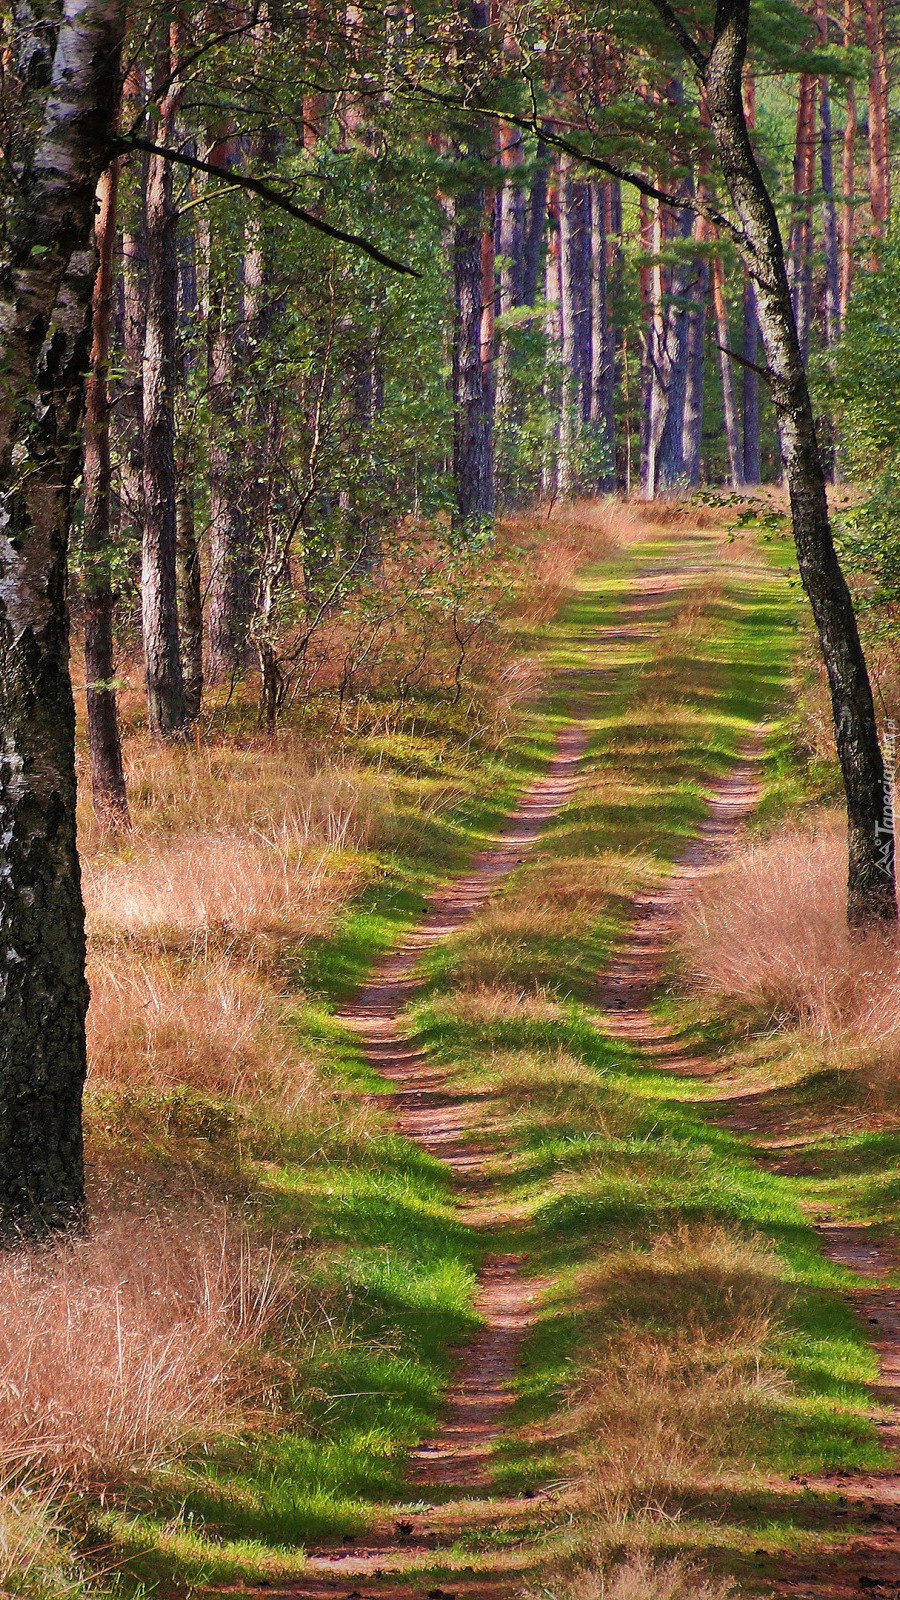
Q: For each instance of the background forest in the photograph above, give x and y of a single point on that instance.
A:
(398, 321)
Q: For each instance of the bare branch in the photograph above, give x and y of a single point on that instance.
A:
(613, 169)
(676, 28)
(268, 195)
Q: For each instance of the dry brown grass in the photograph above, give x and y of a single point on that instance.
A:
(768, 931)
(673, 1380)
(641, 1578)
(119, 1349)
(211, 1027)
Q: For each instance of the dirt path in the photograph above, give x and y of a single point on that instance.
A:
(868, 1564)
(453, 1466)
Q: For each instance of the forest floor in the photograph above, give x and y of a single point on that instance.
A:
(601, 1332)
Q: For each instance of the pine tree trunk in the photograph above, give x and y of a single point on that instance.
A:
(511, 250)
(189, 591)
(832, 296)
(871, 893)
(535, 224)
(472, 387)
(879, 127)
(848, 172)
(670, 468)
(729, 405)
(603, 341)
(107, 771)
(575, 311)
(801, 242)
(750, 378)
(63, 137)
(166, 710)
(128, 418)
(695, 366)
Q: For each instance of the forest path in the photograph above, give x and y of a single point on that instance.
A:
(455, 1534)
(867, 1563)
(450, 1474)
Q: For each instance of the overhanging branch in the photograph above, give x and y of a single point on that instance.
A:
(268, 195)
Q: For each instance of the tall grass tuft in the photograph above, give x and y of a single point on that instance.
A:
(120, 1349)
(769, 931)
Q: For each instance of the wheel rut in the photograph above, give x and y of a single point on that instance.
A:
(453, 1466)
(867, 1564)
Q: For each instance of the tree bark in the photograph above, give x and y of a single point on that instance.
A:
(575, 319)
(729, 403)
(871, 894)
(603, 340)
(750, 379)
(60, 140)
(535, 224)
(472, 385)
(107, 771)
(695, 367)
(166, 710)
(848, 172)
(879, 130)
(189, 592)
(801, 238)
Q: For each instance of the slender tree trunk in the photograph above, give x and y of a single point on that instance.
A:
(871, 894)
(553, 365)
(695, 366)
(472, 389)
(510, 246)
(107, 771)
(750, 379)
(535, 224)
(575, 312)
(63, 136)
(670, 469)
(129, 410)
(879, 127)
(801, 242)
(729, 404)
(166, 710)
(603, 341)
(189, 591)
(848, 172)
(832, 298)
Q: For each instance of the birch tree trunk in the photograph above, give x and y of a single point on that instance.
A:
(871, 893)
(58, 140)
(107, 771)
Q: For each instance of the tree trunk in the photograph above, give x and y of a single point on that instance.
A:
(695, 367)
(801, 241)
(472, 386)
(848, 172)
(879, 127)
(510, 247)
(670, 470)
(128, 419)
(729, 405)
(575, 312)
(832, 298)
(189, 592)
(107, 771)
(871, 894)
(63, 136)
(603, 341)
(535, 223)
(166, 710)
(750, 378)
